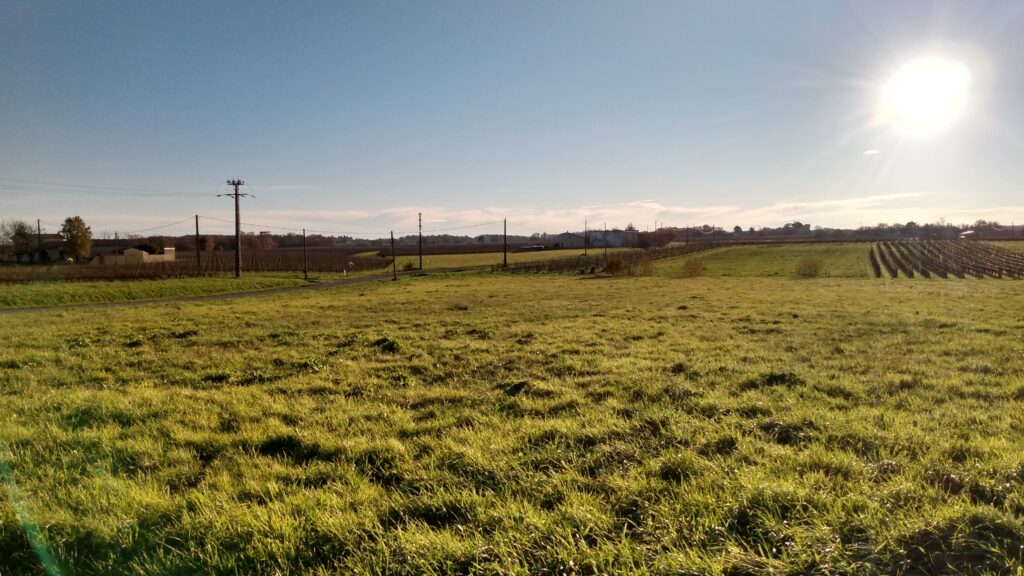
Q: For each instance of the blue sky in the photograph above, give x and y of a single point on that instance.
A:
(353, 117)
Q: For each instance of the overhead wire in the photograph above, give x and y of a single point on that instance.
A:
(464, 227)
(12, 185)
(280, 205)
(47, 187)
(274, 227)
(161, 226)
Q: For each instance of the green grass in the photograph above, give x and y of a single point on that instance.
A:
(1017, 245)
(526, 425)
(842, 260)
(59, 293)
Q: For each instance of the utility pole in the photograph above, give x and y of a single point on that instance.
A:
(606, 241)
(504, 243)
(115, 254)
(199, 261)
(584, 237)
(420, 214)
(238, 225)
(305, 257)
(394, 260)
(39, 239)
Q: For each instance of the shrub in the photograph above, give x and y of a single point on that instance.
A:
(408, 266)
(616, 266)
(693, 267)
(620, 266)
(808, 268)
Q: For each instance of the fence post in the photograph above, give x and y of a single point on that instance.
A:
(394, 259)
(199, 262)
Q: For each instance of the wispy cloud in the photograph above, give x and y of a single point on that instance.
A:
(846, 209)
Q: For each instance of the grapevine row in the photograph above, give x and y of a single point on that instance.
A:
(942, 258)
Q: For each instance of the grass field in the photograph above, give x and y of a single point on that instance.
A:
(1012, 244)
(848, 260)
(523, 425)
(53, 293)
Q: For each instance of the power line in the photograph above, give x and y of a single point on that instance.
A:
(236, 183)
(296, 230)
(464, 227)
(161, 226)
(85, 190)
(254, 224)
(348, 233)
(279, 205)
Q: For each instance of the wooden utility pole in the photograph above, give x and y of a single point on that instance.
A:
(238, 225)
(116, 258)
(305, 257)
(394, 259)
(504, 243)
(584, 237)
(420, 214)
(39, 239)
(606, 241)
(199, 247)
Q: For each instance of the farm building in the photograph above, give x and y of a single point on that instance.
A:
(614, 238)
(568, 240)
(596, 239)
(134, 255)
(40, 248)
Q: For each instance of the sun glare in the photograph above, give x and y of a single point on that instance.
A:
(925, 95)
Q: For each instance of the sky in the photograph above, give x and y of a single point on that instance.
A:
(354, 117)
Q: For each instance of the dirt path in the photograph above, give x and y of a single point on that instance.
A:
(232, 295)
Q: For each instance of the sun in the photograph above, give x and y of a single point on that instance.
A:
(925, 95)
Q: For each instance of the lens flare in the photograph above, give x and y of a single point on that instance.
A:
(925, 95)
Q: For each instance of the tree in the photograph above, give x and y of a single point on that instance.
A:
(156, 244)
(655, 239)
(6, 247)
(21, 237)
(737, 230)
(77, 238)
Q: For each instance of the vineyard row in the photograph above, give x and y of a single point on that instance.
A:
(633, 262)
(211, 264)
(944, 258)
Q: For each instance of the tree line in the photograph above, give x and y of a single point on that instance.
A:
(24, 243)
(18, 239)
